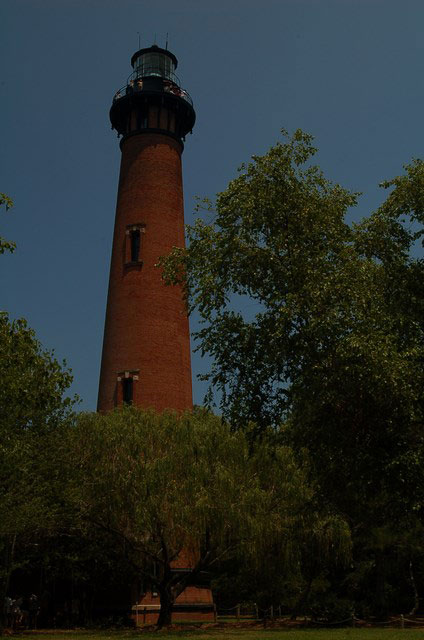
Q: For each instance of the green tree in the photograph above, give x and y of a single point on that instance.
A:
(335, 349)
(32, 413)
(359, 408)
(31, 409)
(277, 241)
(168, 485)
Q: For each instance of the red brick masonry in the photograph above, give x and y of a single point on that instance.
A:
(146, 329)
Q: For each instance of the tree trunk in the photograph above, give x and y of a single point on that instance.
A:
(380, 586)
(9, 553)
(166, 606)
(414, 586)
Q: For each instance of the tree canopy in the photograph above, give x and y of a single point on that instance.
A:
(280, 240)
(33, 410)
(334, 347)
(168, 485)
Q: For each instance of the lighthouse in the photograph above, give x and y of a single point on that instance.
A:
(146, 345)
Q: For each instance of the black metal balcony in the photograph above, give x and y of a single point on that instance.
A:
(137, 82)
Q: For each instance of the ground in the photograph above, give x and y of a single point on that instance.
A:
(228, 634)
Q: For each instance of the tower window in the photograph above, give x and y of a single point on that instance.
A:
(135, 244)
(127, 390)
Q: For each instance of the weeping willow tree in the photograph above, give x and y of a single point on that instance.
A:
(168, 485)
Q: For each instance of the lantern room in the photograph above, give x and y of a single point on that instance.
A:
(154, 61)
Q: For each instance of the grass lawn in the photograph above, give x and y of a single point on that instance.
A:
(241, 634)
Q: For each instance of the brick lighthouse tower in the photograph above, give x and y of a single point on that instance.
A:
(146, 346)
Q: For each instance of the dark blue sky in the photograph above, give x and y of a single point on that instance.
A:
(348, 71)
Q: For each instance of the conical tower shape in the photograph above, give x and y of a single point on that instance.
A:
(146, 347)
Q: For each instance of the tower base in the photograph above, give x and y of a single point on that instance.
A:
(194, 604)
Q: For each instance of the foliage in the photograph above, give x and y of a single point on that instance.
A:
(335, 349)
(279, 238)
(331, 609)
(32, 413)
(322, 545)
(6, 245)
(33, 382)
(188, 488)
(359, 408)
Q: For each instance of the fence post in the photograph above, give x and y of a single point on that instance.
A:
(144, 615)
(402, 621)
(238, 613)
(279, 611)
(214, 612)
(272, 612)
(136, 614)
(353, 620)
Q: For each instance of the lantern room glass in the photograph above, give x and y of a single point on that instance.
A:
(154, 64)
